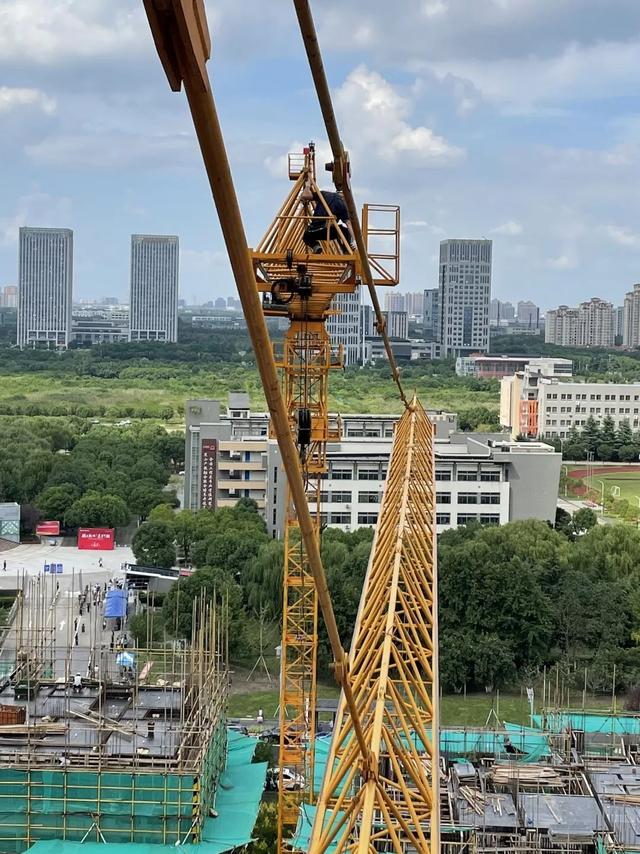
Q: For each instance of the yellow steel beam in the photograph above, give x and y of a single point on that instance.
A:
(393, 665)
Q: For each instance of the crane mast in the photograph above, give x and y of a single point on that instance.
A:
(299, 285)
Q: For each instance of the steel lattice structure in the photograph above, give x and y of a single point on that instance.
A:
(379, 793)
(392, 806)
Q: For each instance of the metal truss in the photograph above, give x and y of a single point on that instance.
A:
(390, 802)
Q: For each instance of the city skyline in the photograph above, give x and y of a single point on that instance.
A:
(488, 123)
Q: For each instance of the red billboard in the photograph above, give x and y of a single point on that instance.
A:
(97, 539)
(48, 529)
(208, 472)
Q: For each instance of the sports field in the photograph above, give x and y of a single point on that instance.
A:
(619, 481)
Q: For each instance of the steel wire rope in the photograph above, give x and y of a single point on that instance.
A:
(340, 175)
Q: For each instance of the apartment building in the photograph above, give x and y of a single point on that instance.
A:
(45, 285)
(589, 325)
(465, 291)
(631, 318)
(154, 288)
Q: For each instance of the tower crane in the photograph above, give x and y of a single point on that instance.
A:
(380, 789)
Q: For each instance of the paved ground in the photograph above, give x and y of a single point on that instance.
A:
(573, 504)
(54, 601)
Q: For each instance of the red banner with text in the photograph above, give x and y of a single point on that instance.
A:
(98, 539)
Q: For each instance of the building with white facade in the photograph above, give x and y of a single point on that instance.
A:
(397, 324)
(154, 288)
(394, 301)
(588, 325)
(414, 305)
(345, 327)
(480, 477)
(561, 326)
(546, 407)
(501, 313)
(631, 319)
(45, 287)
(465, 292)
(100, 324)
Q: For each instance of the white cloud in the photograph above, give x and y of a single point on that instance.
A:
(623, 236)
(562, 262)
(36, 209)
(12, 98)
(375, 116)
(435, 8)
(46, 32)
(113, 150)
(511, 228)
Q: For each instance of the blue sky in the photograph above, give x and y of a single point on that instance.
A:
(517, 120)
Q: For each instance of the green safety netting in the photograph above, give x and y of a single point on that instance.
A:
(302, 836)
(236, 802)
(593, 722)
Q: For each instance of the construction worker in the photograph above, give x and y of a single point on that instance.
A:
(77, 684)
(317, 229)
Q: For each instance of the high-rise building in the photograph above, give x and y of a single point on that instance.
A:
(414, 305)
(394, 301)
(431, 316)
(154, 288)
(397, 324)
(9, 296)
(528, 313)
(465, 291)
(501, 312)
(589, 325)
(45, 280)
(594, 323)
(367, 321)
(631, 331)
(345, 327)
(561, 326)
(617, 324)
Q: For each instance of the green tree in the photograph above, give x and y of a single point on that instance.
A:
(591, 434)
(583, 520)
(54, 501)
(94, 510)
(608, 434)
(624, 434)
(144, 496)
(153, 545)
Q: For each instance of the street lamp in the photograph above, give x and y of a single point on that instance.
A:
(566, 474)
(602, 501)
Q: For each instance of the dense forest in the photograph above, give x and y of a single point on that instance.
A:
(86, 475)
(513, 599)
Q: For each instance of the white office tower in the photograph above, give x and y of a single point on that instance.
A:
(154, 288)
(465, 291)
(345, 327)
(45, 287)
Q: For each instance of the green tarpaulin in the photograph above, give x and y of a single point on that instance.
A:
(592, 722)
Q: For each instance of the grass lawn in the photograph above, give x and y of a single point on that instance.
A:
(627, 482)
(456, 710)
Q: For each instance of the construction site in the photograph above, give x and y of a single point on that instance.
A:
(102, 741)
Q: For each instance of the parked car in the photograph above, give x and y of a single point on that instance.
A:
(291, 780)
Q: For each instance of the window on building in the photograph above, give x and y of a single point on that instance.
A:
(489, 519)
(368, 497)
(340, 519)
(340, 497)
(466, 518)
(367, 518)
(368, 473)
(490, 498)
(467, 498)
(467, 474)
(443, 498)
(488, 475)
(342, 474)
(443, 474)
(443, 518)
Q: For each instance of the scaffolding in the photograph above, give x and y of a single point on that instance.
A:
(103, 741)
